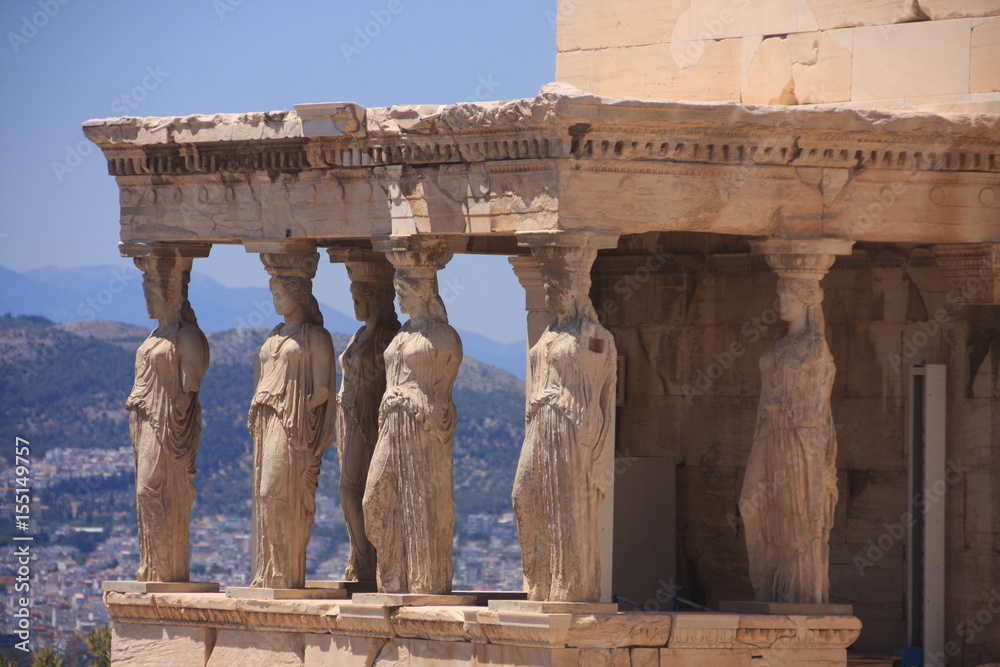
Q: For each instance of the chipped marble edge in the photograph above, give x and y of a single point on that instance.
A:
(554, 102)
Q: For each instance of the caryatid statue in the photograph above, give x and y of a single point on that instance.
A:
(790, 489)
(292, 418)
(409, 501)
(362, 385)
(165, 420)
(562, 475)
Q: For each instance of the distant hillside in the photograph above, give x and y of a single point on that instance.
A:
(64, 385)
(111, 293)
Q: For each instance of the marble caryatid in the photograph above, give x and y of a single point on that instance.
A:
(165, 420)
(562, 475)
(790, 489)
(292, 418)
(409, 502)
(362, 385)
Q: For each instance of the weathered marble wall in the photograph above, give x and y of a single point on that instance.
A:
(861, 52)
(692, 342)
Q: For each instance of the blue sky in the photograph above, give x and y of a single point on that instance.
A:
(65, 61)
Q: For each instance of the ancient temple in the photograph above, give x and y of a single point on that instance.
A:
(760, 249)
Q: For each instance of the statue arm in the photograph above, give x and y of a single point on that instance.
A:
(446, 363)
(323, 370)
(605, 391)
(193, 349)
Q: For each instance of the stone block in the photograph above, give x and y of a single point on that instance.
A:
(694, 70)
(645, 657)
(784, 657)
(672, 657)
(821, 66)
(506, 655)
(978, 517)
(440, 654)
(141, 645)
(828, 14)
(768, 72)
(341, 650)
(984, 74)
(870, 433)
(950, 9)
(912, 59)
(591, 24)
(395, 653)
(715, 19)
(257, 649)
(595, 657)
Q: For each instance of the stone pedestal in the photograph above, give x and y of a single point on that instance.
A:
(349, 586)
(211, 629)
(159, 587)
(412, 600)
(544, 607)
(253, 593)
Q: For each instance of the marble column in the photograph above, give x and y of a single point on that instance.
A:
(292, 420)
(409, 500)
(362, 385)
(790, 489)
(165, 411)
(562, 482)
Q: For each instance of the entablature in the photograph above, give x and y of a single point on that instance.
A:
(564, 159)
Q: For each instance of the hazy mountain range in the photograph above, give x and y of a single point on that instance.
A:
(112, 293)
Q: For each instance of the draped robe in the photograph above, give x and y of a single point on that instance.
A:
(409, 502)
(289, 441)
(790, 489)
(361, 390)
(561, 479)
(165, 427)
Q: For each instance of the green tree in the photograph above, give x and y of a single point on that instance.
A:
(47, 657)
(99, 643)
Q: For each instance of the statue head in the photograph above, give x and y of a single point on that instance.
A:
(800, 298)
(567, 280)
(418, 294)
(292, 295)
(372, 290)
(165, 287)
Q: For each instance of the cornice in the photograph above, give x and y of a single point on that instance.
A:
(561, 123)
